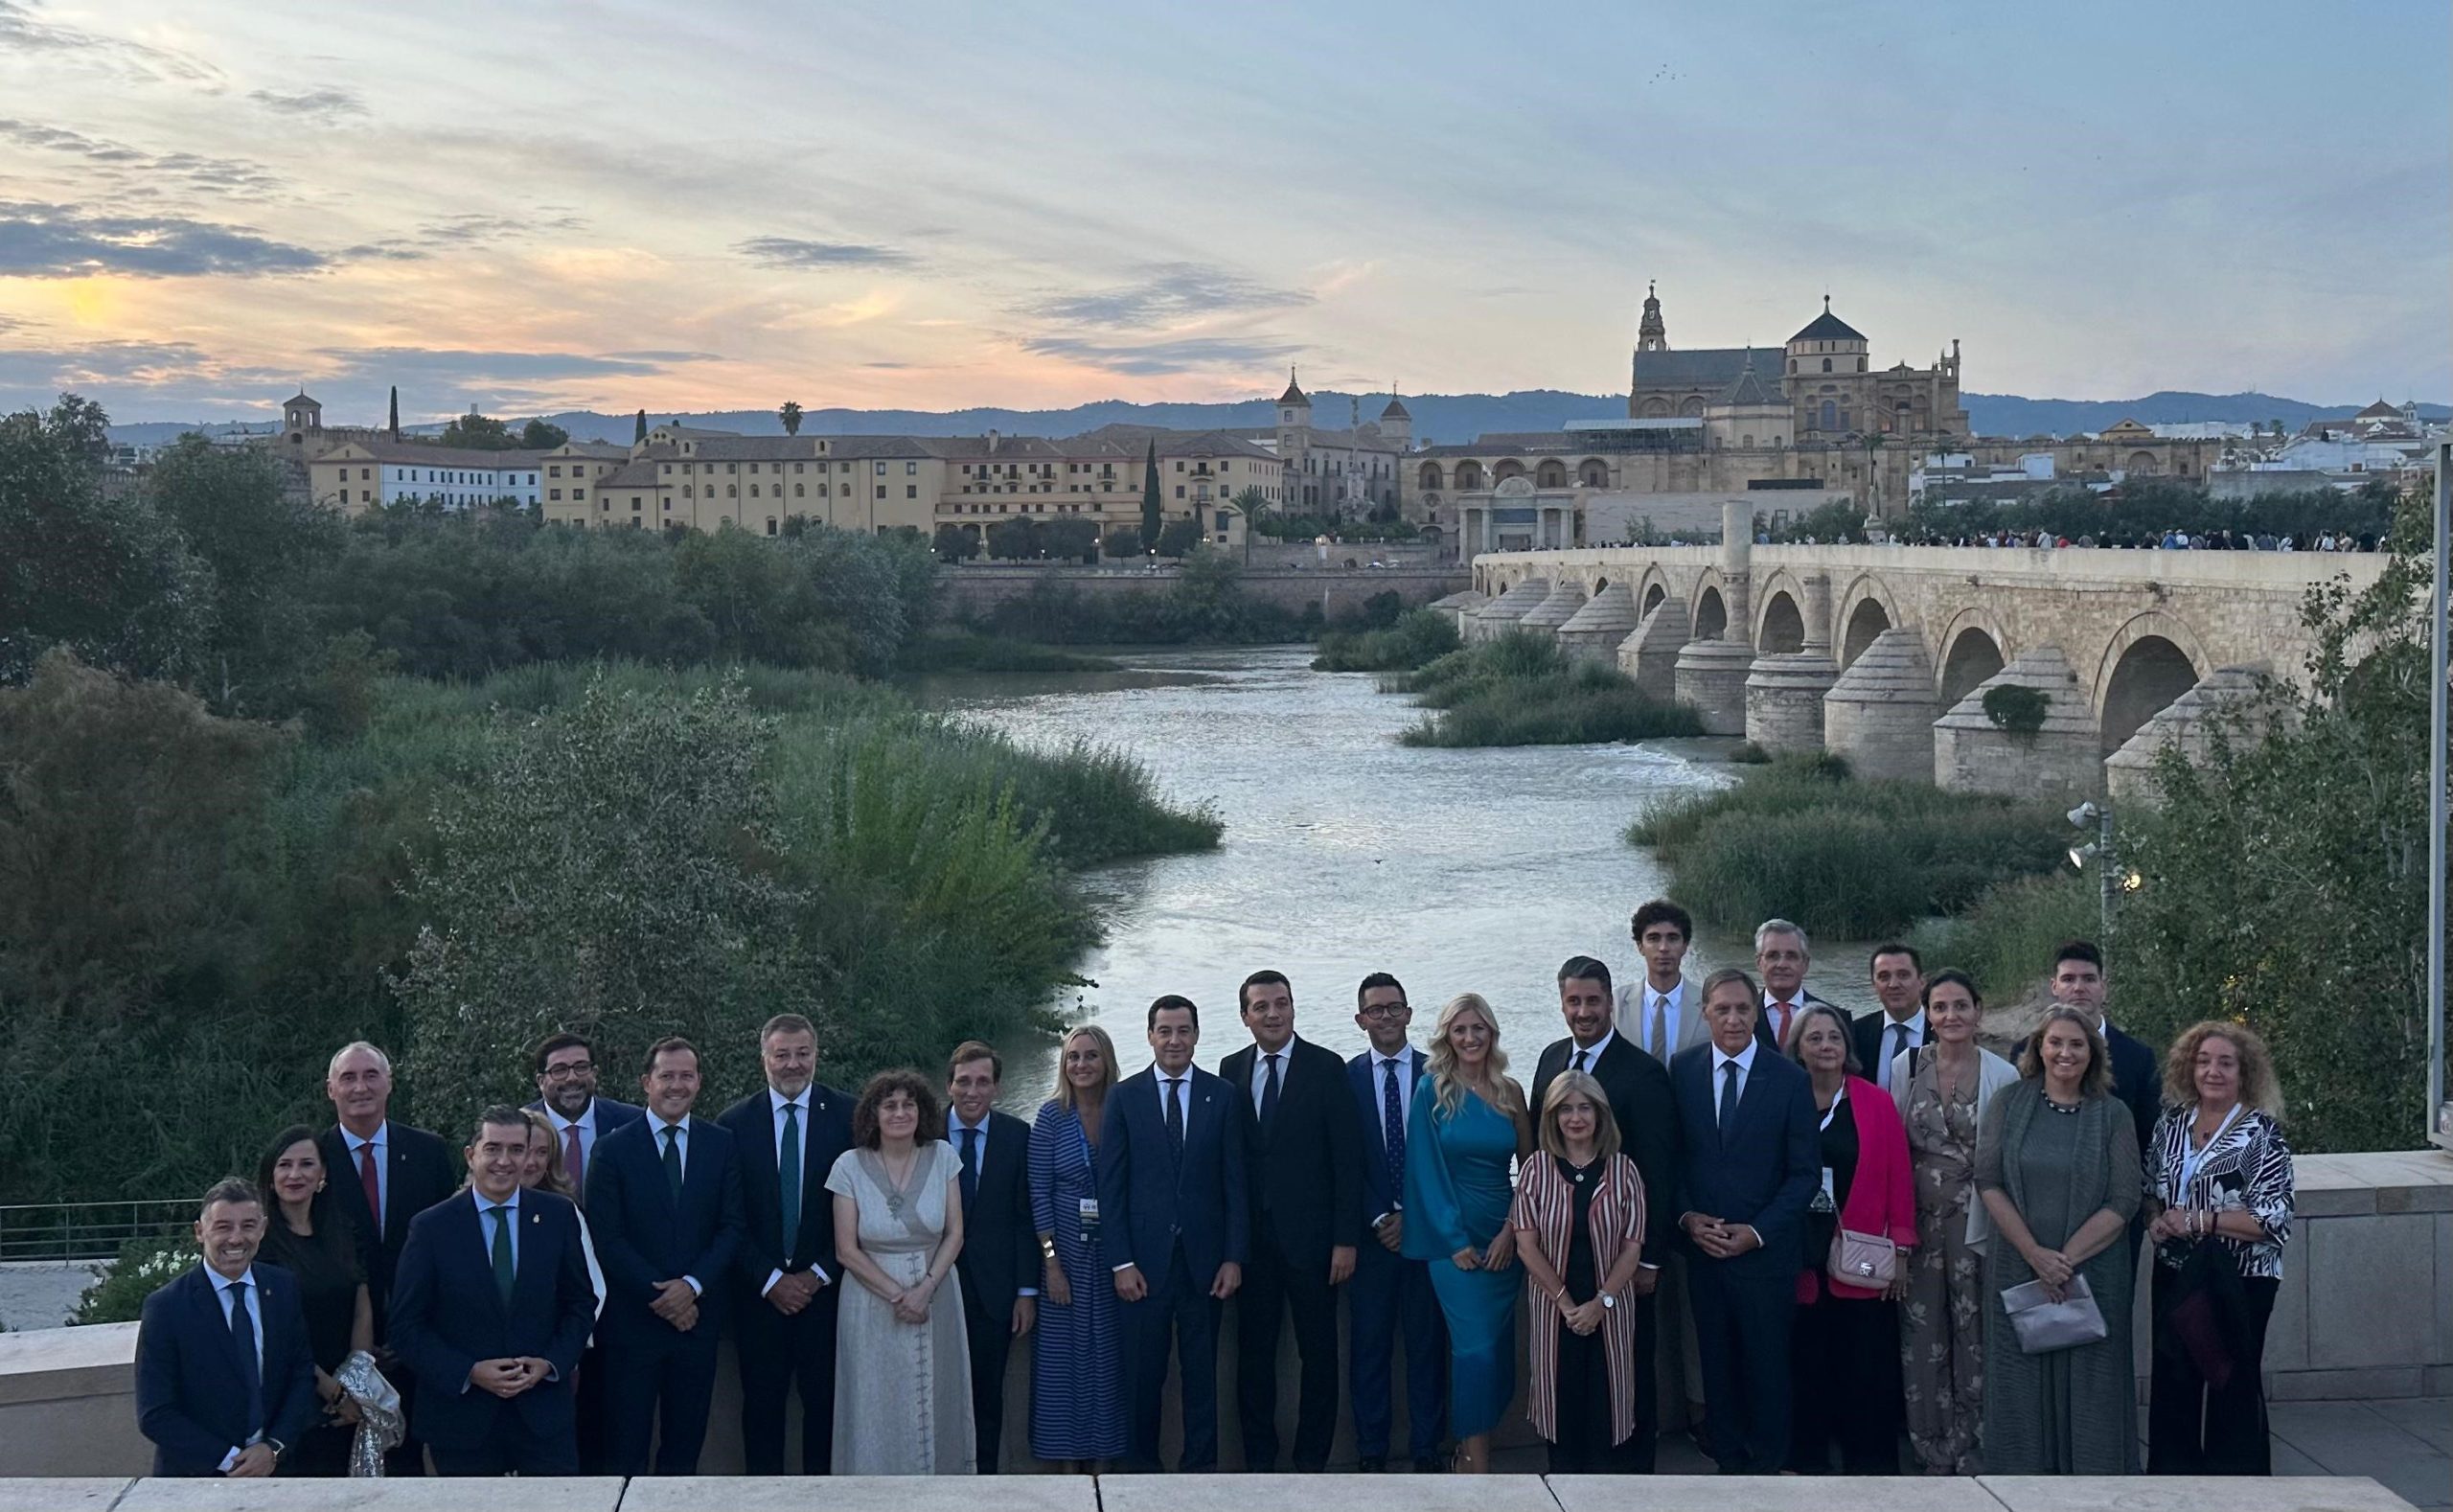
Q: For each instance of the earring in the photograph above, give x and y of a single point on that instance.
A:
(319, 1186)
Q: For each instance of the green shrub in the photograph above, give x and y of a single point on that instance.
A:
(1520, 690)
(2016, 707)
(1751, 754)
(1417, 636)
(144, 1266)
(2006, 940)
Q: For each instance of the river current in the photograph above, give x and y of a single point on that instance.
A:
(1346, 853)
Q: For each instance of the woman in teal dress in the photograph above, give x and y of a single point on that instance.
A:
(1467, 1128)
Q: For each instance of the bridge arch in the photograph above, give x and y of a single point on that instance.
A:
(1780, 629)
(1709, 612)
(1971, 649)
(1651, 588)
(2151, 660)
(1866, 608)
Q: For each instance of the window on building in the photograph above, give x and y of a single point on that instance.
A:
(881, 470)
(880, 487)
(911, 491)
(556, 495)
(911, 470)
(771, 524)
(800, 489)
(1179, 491)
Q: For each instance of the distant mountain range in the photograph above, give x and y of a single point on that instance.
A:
(1438, 416)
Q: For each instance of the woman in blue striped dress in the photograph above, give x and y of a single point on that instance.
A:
(1077, 1366)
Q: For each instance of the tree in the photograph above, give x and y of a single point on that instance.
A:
(1121, 542)
(1014, 539)
(1179, 538)
(477, 432)
(957, 542)
(258, 543)
(1069, 537)
(540, 436)
(639, 429)
(392, 425)
(1153, 519)
(790, 416)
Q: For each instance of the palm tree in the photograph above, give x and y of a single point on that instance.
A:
(790, 415)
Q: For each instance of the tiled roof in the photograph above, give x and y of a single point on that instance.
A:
(1707, 368)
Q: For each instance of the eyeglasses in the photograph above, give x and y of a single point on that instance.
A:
(1383, 1012)
(569, 1069)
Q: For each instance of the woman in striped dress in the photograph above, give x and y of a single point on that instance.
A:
(1077, 1363)
(1579, 1221)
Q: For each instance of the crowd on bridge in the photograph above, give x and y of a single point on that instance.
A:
(1720, 1206)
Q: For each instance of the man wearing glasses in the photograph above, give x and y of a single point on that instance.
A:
(565, 1066)
(1392, 1294)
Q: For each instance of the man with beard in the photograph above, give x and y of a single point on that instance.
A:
(565, 1066)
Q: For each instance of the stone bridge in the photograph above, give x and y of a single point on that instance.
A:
(1883, 654)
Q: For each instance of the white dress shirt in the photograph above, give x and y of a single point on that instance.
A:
(1261, 1053)
(486, 1226)
(775, 1104)
(221, 1292)
(656, 1126)
(381, 1144)
(1743, 1060)
(1670, 1005)
(1894, 1074)
(585, 1123)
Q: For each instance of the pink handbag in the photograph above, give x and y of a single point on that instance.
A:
(1862, 1260)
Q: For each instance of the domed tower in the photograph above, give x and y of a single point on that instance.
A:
(1294, 435)
(1828, 345)
(1827, 377)
(1397, 424)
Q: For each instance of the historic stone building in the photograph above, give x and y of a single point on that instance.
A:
(1349, 473)
(1822, 378)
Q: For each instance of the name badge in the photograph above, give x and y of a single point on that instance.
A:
(1089, 1214)
(1823, 1202)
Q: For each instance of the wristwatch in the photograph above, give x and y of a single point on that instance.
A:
(1608, 1301)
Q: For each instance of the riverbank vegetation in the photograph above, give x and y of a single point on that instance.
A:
(1417, 638)
(950, 648)
(1802, 839)
(447, 782)
(1200, 603)
(1520, 689)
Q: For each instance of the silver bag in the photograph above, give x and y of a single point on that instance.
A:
(2045, 1325)
(381, 1427)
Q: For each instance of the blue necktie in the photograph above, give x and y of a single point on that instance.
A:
(1268, 1094)
(1728, 1097)
(970, 1167)
(1393, 1128)
(1175, 1113)
(243, 1333)
(673, 1160)
(787, 1175)
(505, 1276)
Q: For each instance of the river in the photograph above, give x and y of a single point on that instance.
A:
(1346, 853)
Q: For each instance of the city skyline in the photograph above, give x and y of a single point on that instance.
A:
(533, 211)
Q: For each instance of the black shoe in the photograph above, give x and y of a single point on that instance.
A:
(1430, 1465)
(1373, 1464)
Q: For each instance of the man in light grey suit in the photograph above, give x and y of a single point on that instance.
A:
(1662, 1013)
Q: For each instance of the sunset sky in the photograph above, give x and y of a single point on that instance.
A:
(718, 205)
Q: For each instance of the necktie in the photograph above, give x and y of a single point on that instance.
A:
(504, 1275)
(970, 1166)
(1728, 1097)
(787, 1177)
(371, 1184)
(1392, 1127)
(1176, 1113)
(1580, 1057)
(243, 1333)
(1899, 1044)
(1268, 1092)
(673, 1160)
(1659, 1045)
(1780, 1024)
(574, 1160)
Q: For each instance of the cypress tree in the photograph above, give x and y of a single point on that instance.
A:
(1151, 521)
(639, 430)
(392, 427)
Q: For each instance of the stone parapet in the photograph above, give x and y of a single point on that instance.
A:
(1784, 700)
(1880, 714)
(1972, 755)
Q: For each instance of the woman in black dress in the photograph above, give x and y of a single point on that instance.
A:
(306, 1235)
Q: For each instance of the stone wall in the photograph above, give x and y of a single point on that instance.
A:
(969, 590)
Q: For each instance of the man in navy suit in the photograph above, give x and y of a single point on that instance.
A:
(1172, 1211)
(565, 1066)
(1392, 1294)
(1303, 1167)
(385, 1175)
(1752, 1162)
(490, 1311)
(664, 1204)
(224, 1380)
(1000, 1264)
(1898, 974)
(786, 1138)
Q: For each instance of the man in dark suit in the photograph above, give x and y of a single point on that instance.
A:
(1781, 954)
(2137, 1076)
(999, 1266)
(1637, 1087)
(565, 1066)
(385, 1175)
(1752, 1160)
(1174, 1217)
(489, 1309)
(225, 1382)
(1391, 1296)
(664, 1204)
(786, 1138)
(1303, 1167)
(1899, 1023)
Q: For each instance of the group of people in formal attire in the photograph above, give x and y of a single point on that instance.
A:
(1724, 1207)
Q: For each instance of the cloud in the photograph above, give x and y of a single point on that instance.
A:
(792, 252)
(326, 106)
(59, 242)
(23, 34)
(669, 356)
(135, 171)
(152, 366)
(464, 365)
(1165, 294)
(1160, 359)
(460, 233)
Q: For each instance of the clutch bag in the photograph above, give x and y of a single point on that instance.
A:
(1862, 1260)
(2045, 1325)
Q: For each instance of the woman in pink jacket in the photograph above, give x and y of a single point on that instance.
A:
(1844, 1347)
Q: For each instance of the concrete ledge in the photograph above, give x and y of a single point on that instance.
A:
(1246, 1493)
(51, 1364)
(63, 1494)
(859, 1494)
(2190, 1494)
(577, 1494)
(1768, 1494)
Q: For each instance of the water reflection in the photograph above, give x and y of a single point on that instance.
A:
(1346, 853)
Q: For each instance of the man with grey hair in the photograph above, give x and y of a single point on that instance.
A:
(1782, 956)
(385, 1175)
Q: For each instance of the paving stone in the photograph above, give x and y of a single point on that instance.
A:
(859, 1494)
(2190, 1494)
(575, 1494)
(1348, 1493)
(62, 1494)
(2430, 1418)
(1768, 1494)
(2366, 1261)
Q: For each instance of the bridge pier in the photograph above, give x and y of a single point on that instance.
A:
(1650, 654)
(1500, 615)
(2129, 771)
(1555, 610)
(2064, 759)
(1784, 690)
(1880, 714)
(1711, 676)
(1593, 632)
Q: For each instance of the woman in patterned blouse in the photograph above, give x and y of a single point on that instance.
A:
(2220, 1178)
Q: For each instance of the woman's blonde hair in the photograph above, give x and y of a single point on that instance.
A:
(1065, 1096)
(1446, 1084)
(2097, 1080)
(556, 1180)
(2259, 1088)
(1605, 1123)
